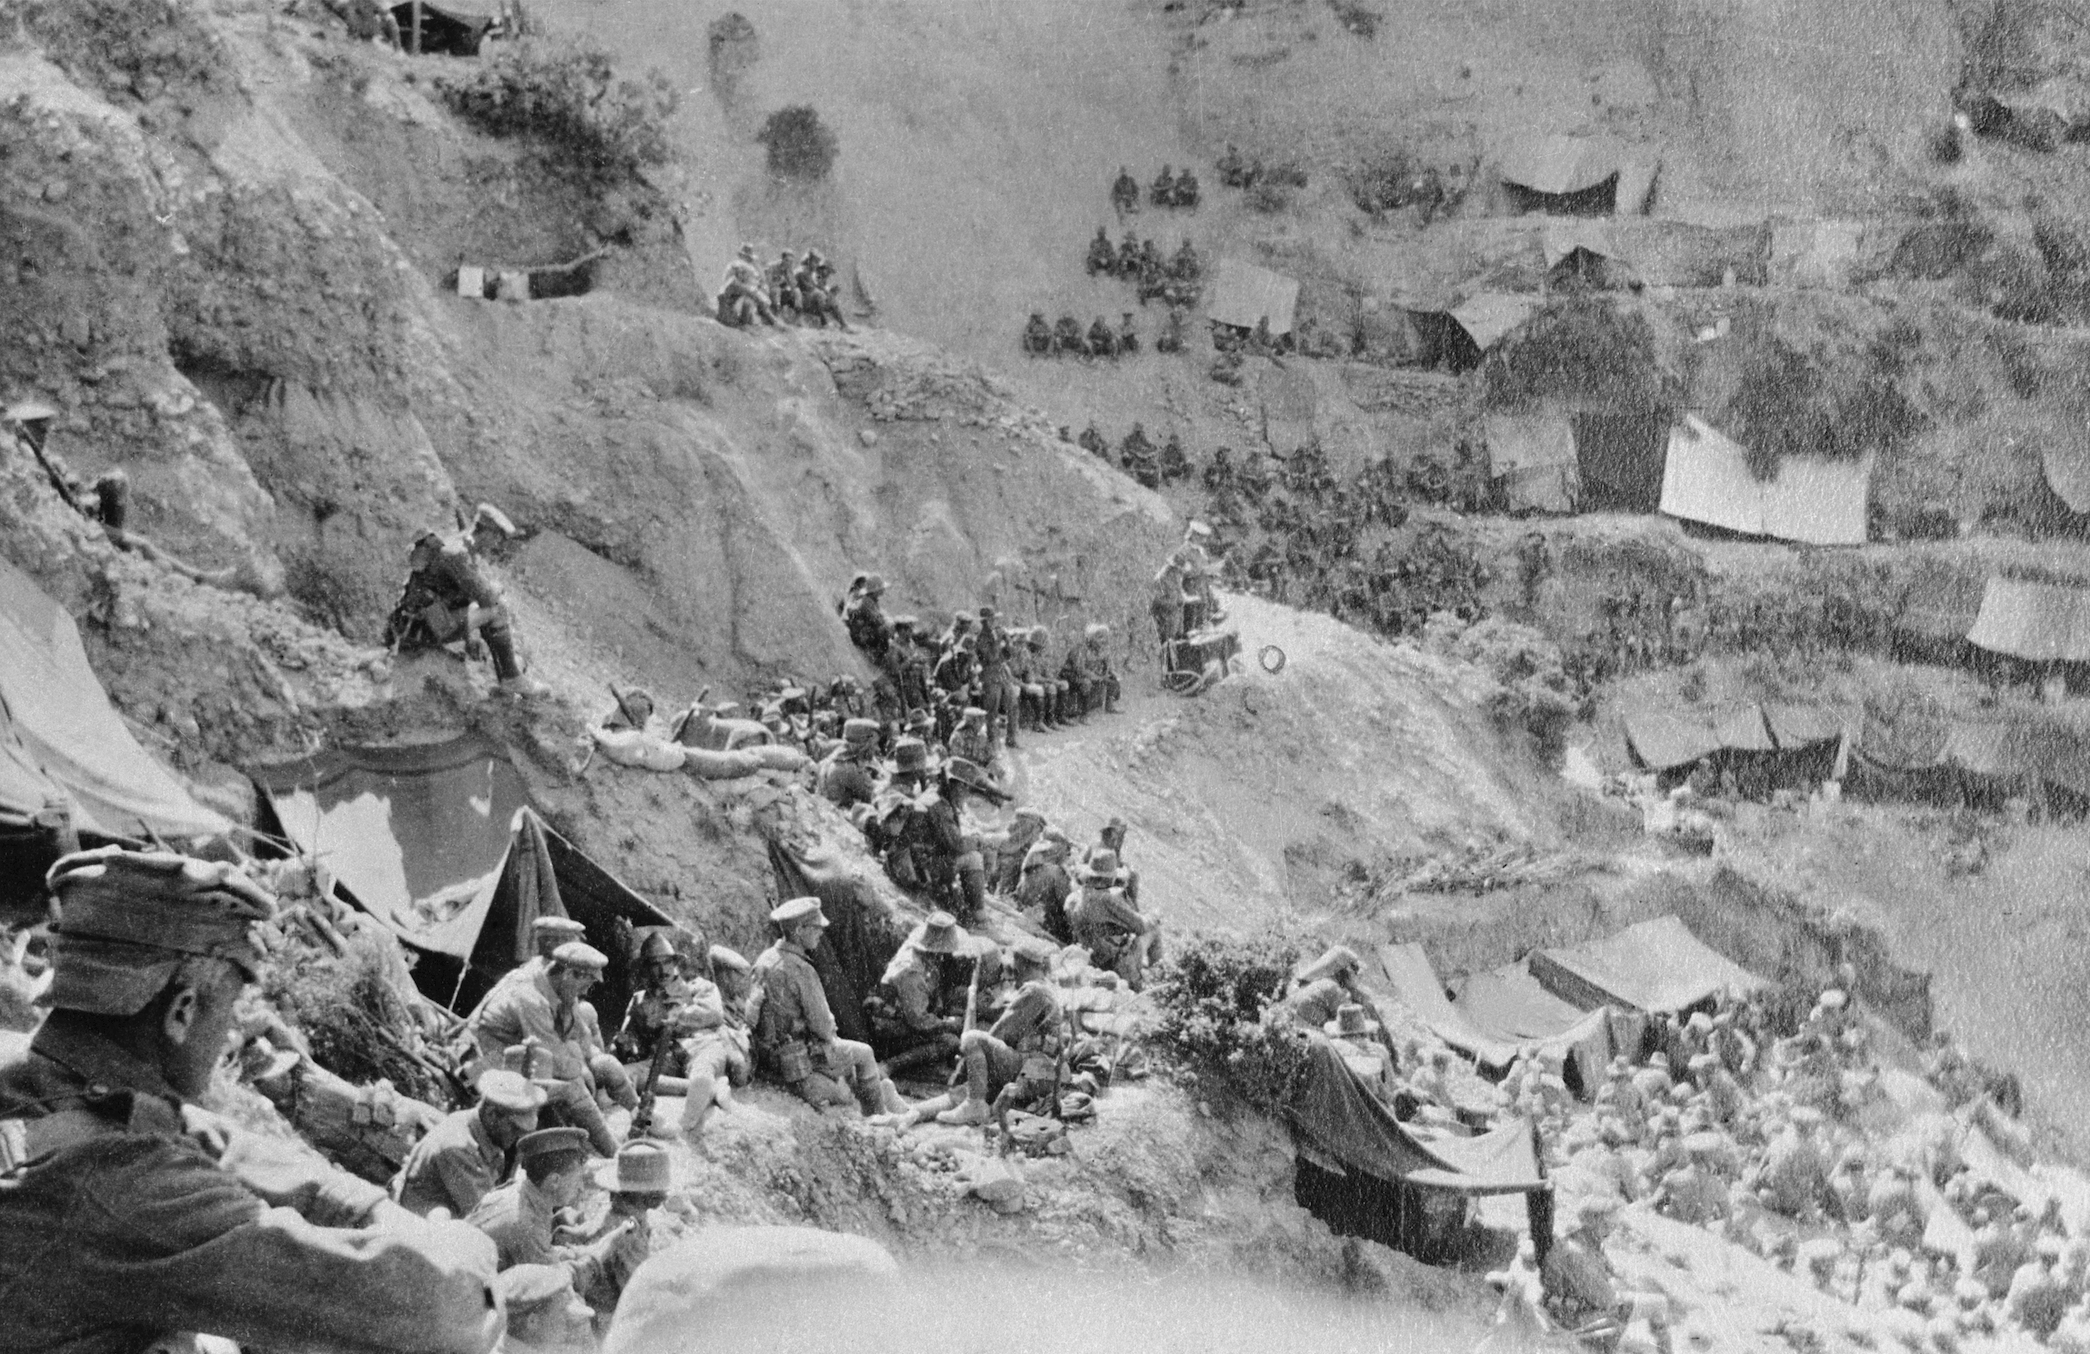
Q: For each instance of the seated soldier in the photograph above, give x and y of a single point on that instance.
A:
(913, 1023)
(1037, 336)
(1128, 335)
(1045, 884)
(1118, 938)
(1321, 987)
(551, 1171)
(744, 297)
(1088, 673)
(849, 776)
(1066, 338)
(1171, 339)
(793, 1026)
(1186, 266)
(447, 598)
(1091, 441)
(638, 1181)
(1017, 1062)
(782, 280)
(1128, 258)
(464, 1157)
(716, 1043)
(1174, 465)
(1005, 852)
(971, 739)
(650, 1015)
(1102, 341)
(1187, 190)
(1111, 837)
(1103, 256)
(1163, 193)
(1124, 191)
(816, 294)
(1232, 167)
(558, 1037)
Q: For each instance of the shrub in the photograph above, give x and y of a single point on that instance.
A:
(1268, 197)
(140, 47)
(351, 1016)
(1839, 406)
(567, 96)
(1220, 1018)
(801, 146)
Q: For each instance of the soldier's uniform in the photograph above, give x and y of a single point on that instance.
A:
(568, 1039)
(794, 1027)
(127, 1215)
(910, 1012)
(999, 693)
(458, 1162)
(520, 1219)
(445, 583)
(849, 775)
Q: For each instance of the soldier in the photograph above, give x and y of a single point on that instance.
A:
(971, 739)
(849, 776)
(717, 1045)
(743, 298)
(1232, 168)
(1038, 689)
(1066, 338)
(461, 1160)
(1087, 671)
(907, 664)
(1128, 335)
(911, 1011)
(782, 280)
(955, 868)
(1128, 258)
(794, 1028)
(1103, 256)
(545, 1315)
(1171, 339)
(650, 1014)
(1091, 441)
(1170, 595)
(551, 1172)
(638, 1181)
(129, 1215)
(547, 934)
(1045, 884)
(998, 691)
(1101, 918)
(864, 617)
(958, 672)
(1188, 191)
(1174, 464)
(547, 1018)
(1017, 1061)
(1163, 193)
(448, 598)
(1124, 192)
(814, 281)
(1037, 336)
(1102, 341)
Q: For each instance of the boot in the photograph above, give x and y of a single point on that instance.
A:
(890, 1097)
(500, 644)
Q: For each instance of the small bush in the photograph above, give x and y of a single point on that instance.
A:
(801, 146)
(567, 97)
(138, 47)
(1220, 1017)
(1269, 197)
(351, 1017)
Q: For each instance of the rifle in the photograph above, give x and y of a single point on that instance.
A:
(642, 1117)
(972, 997)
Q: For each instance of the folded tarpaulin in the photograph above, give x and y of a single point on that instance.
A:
(1706, 478)
(1559, 163)
(1656, 966)
(1489, 316)
(1414, 984)
(1342, 1120)
(1243, 295)
(59, 732)
(1511, 1005)
(2040, 622)
(418, 834)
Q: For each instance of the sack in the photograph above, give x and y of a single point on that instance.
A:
(1037, 1135)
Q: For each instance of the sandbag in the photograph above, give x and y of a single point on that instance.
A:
(777, 757)
(721, 765)
(779, 1287)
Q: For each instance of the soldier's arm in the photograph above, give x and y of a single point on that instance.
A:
(812, 1004)
(181, 1244)
(1025, 1016)
(913, 991)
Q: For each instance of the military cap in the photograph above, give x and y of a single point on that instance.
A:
(969, 774)
(860, 730)
(1031, 952)
(723, 956)
(526, 1290)
(657, 945)
(747, 251)
(1102, 868)
(565, 926)
(510, 1091)
(940, 933)
(797, 910)
(974, 714)
(815, 256)
(545, 1141)
(124, 920)
(1031, 813)
(910, 754)
(581, 955)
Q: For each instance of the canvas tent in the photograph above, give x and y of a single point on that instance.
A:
(2067, 467)
(1657, 967)
(1662, 740)
(1498, 1013)
(1574, 175)
(1364, 1173)
(2039, 622)
(440, 844)
(1706, 478)
(59, 734)
(1243, 294)
(1488, 317)
(1531, 457)
(447, 29)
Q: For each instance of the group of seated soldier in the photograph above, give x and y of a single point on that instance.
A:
(1177, 280)
(1169, 190)
(791, 290)
(1237, 171)
(1137, 456)
(1066, 339)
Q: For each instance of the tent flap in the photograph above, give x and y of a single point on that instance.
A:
(62, 732)
(1414, 983)
(1489, 316)
(1817, 502)
(1559, 163)
(1243, 295)
(1656, 966)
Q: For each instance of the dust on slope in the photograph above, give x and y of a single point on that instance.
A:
(1257, 798)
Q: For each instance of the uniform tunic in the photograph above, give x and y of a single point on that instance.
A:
(529, 1011)
(847, 780)
(453, 1167)
(130, 1216)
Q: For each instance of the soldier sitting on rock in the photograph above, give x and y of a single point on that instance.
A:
(794, 1027)
(1088, 672)
(1037, 336)
(1187, 191)
(814, 282)
(1233, 168)
(1066, 338)
(1127, 335)
(1124, 192)
(1163, 192)
(447, 597)
(918, 1009)
(1017, 1061)
(1102, 341)
(744, 297)
(1171, 339)
(1091, 441)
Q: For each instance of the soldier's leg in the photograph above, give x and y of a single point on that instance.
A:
(857, 1065)
(611, 1077)
(972, 883)
(572, 1104)
(820, 1091)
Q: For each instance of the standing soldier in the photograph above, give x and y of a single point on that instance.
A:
(999, 694)
(128, 1215)
(864, 617)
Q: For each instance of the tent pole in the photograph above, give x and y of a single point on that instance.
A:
(414, 45)
(464, 969)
